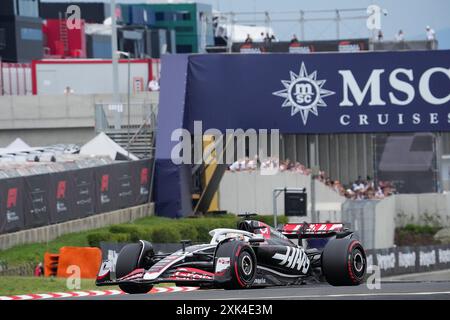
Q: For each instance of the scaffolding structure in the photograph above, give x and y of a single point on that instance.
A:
(302, 17)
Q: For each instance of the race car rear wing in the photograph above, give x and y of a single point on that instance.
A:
(312, 230)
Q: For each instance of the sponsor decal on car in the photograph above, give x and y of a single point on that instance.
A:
(191, 274)
(260, 281)
(223, 263)
(294, 258)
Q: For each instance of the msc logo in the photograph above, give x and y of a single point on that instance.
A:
(303, 93)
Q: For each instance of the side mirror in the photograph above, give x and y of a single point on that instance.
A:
(184, 243)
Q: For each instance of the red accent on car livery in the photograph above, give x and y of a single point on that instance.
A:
(324, 227)
(137, 273)
(294, 228)
(264, 231)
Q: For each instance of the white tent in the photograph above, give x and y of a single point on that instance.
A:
(17, 145)
(102, 145)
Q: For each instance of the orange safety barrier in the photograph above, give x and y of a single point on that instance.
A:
(50, 264)
(87, 259)
(69, 259)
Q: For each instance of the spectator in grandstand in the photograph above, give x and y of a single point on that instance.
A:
(68, 90)
(400, 36)
(248, 39)
(252, 164)
(380, 35)
(431, 35)
(153, 85)
(358, 185)
(338, 187)
(294, 39)
(358, 190)
(268, 39)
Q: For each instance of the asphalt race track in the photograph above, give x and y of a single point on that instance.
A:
(402, 290)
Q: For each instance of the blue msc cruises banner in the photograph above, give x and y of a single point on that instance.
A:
(320, 93)
(403, 91)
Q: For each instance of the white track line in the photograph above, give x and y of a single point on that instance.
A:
(343, 295)
(44, 295)
(75, 294)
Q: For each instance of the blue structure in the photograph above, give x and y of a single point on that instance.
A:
(295, 93)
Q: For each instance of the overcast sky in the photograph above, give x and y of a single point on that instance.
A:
(411, 16)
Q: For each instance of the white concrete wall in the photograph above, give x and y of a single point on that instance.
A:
(87, 77)
(44, 120)
(414, 207)
(241, 192)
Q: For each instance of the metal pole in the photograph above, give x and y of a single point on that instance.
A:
(267, 22)
(338, 19)
(230, 35)
(128, 104)
(274, 199)
(313, 184)
(438, 163)
(115, 65)
(302, 25)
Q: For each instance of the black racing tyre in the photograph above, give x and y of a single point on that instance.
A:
(135, 288)
(127, 261)
(243, 266)
(344, 262)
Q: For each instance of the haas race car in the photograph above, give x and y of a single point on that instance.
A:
(253, 255)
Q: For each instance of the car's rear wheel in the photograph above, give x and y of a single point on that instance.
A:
(128, 260)
(344, 262)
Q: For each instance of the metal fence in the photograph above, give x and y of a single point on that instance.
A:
(15, 79)
(359, 215)
(119, 116)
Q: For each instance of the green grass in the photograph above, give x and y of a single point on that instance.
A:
(156, 229)
(153, 228)
(34, 252)
(26, 285)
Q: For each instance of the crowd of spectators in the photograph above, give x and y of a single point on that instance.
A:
(358, 190)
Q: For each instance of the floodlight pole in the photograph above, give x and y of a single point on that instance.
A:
(115, 67)
(314, 173)
(128, 55)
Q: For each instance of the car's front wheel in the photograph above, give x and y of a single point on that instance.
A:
(242, 268)
(128, 260)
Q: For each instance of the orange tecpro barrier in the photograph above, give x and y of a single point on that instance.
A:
(72, 260)
(50, 264)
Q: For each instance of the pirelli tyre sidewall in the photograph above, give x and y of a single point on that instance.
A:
(344, 262)
(129, 259)
(242, 270)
